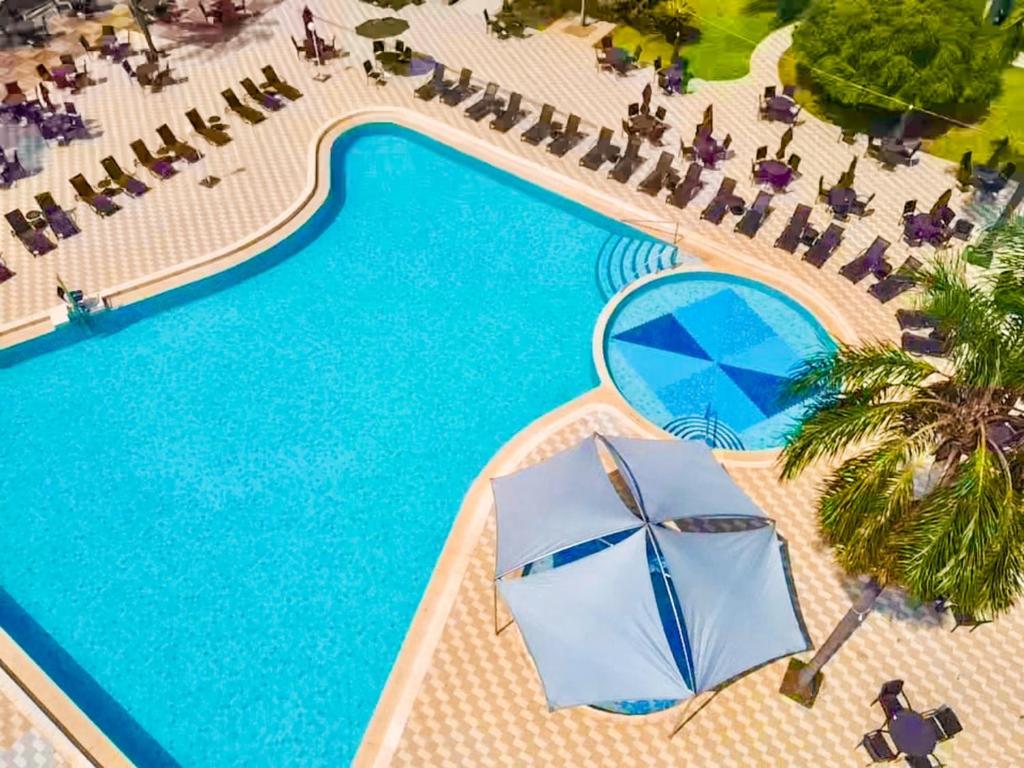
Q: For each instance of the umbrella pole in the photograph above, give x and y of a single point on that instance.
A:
(498, 630)
(688, 718)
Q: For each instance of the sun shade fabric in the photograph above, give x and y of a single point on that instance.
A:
(736, 601)
(593, 629)
(550, 506)
(678, 478)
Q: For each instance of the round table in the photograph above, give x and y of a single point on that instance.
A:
(775, 172)
(912, 734)
(35, 219)
(841, 198)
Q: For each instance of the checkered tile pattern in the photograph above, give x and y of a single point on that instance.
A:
(27, 739)
(481, 703)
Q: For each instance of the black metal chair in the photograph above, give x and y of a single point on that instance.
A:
(909, 208)
(889, 697)
(878, 748)
(946, 723)
(762, 153)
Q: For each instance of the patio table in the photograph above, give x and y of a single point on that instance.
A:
(841, 198)
(774, 172)
(708, 150)
(912, 734)
(921, 227)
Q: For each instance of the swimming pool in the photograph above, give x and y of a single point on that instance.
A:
(221, 506)
(706, 356)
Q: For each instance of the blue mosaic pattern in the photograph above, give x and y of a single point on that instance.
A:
(713, 348)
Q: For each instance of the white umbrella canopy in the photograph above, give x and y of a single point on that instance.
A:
(596, 627)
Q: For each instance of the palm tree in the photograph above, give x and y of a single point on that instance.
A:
(926, 489)
(142, 18)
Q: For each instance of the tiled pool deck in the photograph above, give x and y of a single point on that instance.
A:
(459, 696)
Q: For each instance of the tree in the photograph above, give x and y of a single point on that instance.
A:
(671, 18)
(790, 10)
(926, 53)
(926, 493)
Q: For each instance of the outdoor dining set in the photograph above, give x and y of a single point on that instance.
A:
(778, 107)
(59, 122)
(906, 732)
(986, 177)
(934, 226)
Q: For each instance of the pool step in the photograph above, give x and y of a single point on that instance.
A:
(622, 260)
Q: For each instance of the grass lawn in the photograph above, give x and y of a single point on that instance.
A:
(729, 31)
(1005, 117)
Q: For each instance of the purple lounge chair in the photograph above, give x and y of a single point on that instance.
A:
(60, 221)
(36, 242)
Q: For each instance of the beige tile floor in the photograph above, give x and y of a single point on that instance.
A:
(479, 703)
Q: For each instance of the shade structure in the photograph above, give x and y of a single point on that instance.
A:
(663, 613)
(675, 479)
(548, 507)
(737, 606)
(593, 629)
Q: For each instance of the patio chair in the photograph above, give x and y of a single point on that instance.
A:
(100, 204)
(489, 103)
(279, 86)
(378, 47)
(769, 92)
(60, 221)
(909, 208)
(5, 271)
(633, 109)
(44, 73)
(462, 90)
(1008, 171)
(963, 229)
(540, 130)
(87, 46)
(513, 114)
(374, 74)
(265, 99)
(755, 215)
(687, 189)
(11, 168)
(914, 319)
(859, 206)
(790, 237)
(214, 136)
(602, 151)
(715, 210)
(872, 260)
(628, 163)
(929, 761)
(251, 115)
(658, 177)
(878, 748)
(794, 163)
(965, 170)
(825, 245)
(435, 85)
(567, 138)
(900, 281)
(946, 722)
(762, 153)
(162, 169)
(36, 242)
(181, 149)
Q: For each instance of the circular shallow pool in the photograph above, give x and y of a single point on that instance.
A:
(707, 355)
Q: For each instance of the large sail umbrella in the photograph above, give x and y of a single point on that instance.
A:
(659, 611)
(378, 29)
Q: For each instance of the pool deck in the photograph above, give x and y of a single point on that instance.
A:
(458, 696)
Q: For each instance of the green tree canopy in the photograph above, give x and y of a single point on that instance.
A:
(928, 487)
(929, 53)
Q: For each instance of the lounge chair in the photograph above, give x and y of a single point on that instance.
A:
(567, 138)
(251, 115)
(265, 99)
(462, 90)
(715, 210)
(687, 189)
(125, 181)
(540, 130)
(101, 204)
(629, 162)
(900, 281)
(823, 248)
(602, 151)
(512, 114)
(279, 86)
(790, 237)
(755, 215)
(215, 136)
(657, 178)
(181, 149)
(435, 85)
(923, 345)
(162, 169)
(871, 261)
(488, 104)
(36, 242)
(60, 221)
(915, 319)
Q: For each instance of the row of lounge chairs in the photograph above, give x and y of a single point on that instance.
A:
(62, 222)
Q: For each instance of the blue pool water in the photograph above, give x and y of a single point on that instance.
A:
(221, 507)
(707, 355)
